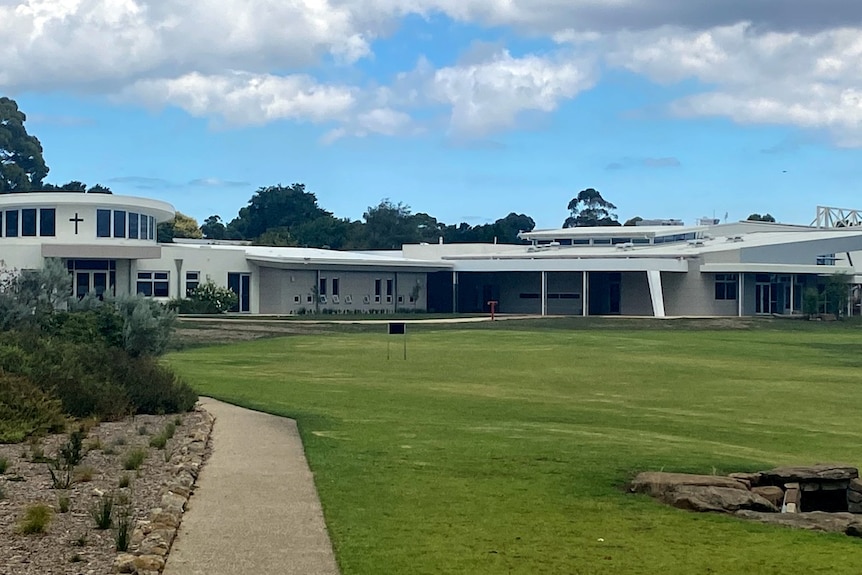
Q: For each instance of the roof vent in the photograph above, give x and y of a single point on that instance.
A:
(734, 238)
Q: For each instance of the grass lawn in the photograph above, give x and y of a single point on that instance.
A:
(505, 450)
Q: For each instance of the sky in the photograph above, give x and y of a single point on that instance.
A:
(463, 109)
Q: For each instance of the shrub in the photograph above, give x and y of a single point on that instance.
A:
(170, 430)
(4, 465)
(84, 474)
(134, 459)
(63, 503)
(25, 409)
(207, 298)
(61, 473)
(102, 512)
(123, 481)
(2, 493)
(36, 519)
(124, 529)
(158, 441)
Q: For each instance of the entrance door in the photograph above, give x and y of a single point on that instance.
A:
(240, 284)
(97, 276)
(82, 284)
(763, 298)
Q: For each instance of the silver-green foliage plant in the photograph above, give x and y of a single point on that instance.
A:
(147, 325)
(28, 294)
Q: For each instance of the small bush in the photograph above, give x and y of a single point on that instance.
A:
(71, 451)
(102, 512)
(123, 481)
(119, 440)
(26, 410)
(4, 465)
(63, 503)
(158, 441)
(178, 420)
(84, 474)
(80, 541)
(170, 430)
(2, 493)
(61, 473)
(134, 459)
(36, 519)
(75, 558)
(94, 444)
(124, 529)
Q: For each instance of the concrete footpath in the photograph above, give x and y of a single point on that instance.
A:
(255, 509)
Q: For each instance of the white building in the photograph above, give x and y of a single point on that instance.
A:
(108, 243)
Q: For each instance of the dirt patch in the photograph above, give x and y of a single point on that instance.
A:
(72, 543)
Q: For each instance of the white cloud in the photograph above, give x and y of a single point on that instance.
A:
(246, 99)
(489, 95)
(807, 80)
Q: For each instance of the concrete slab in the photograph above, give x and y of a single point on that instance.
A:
(255, 509)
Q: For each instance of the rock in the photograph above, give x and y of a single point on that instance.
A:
(172, 501)
(855, 485)
(771, 493)
(854, 529)
(124, 563)
(656, 483)
(718, 499)
(854, 507)
(750, 479)
(813, 521)
(809, 474)
(792, 498)
(149, 563)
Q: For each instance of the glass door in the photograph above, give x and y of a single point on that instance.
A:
(763, 298)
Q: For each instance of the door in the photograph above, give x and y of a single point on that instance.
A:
(240, 284)
(763, 298)
(82, 284)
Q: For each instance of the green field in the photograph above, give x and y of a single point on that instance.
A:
(505, 450)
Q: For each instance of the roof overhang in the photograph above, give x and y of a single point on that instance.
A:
(105, 252)
(722, 268)
(293, 263)
(617, 264)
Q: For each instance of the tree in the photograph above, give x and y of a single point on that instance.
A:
(633, 221)
(99, 189)
(213, 228)
(22, 167)
(181, 226)
(589, 208)
(389, 226)
(759, 218)
(275, 207)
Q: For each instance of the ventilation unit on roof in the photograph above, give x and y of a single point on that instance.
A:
(734, 238)
(695, 243)
(625, 246)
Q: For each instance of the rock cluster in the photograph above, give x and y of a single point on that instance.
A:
(152, 538)
(821, 497)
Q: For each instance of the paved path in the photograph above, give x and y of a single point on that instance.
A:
(255, 509)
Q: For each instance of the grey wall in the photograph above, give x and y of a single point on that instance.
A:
(634, 294)
(290, 291)
(693, 294)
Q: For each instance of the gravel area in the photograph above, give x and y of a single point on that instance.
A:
(73, 545)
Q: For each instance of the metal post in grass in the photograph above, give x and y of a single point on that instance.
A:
(397, 328)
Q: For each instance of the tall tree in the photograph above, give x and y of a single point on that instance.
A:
(389, 226)
(276, 207)
(589, 208)
(181, 226)
(22, 167)
(213, 228)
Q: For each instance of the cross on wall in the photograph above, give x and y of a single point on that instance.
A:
(77, 220)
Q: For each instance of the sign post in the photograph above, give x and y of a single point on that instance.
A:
(397, 328)
(493, 303)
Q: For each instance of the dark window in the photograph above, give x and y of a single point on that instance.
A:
(133, 226)
(153, 284)
(322, 286)
(529, 296)
(28, 222)
(377, 285)
(119, 224)
(240, 284)
(389, 285)
(193, 280)
(151, 227)
(725, 286)
(601, 241)
(335, 287)
(103, 223)
(12, 223)
(1, 224)
(47, 222)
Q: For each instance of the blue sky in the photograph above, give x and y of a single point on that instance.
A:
(465, 110)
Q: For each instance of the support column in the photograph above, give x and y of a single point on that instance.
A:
(544, 293)
(656, 295)
(585, 294)
(454, 292)
(179, 264)
(740, 296)
(792, 294)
